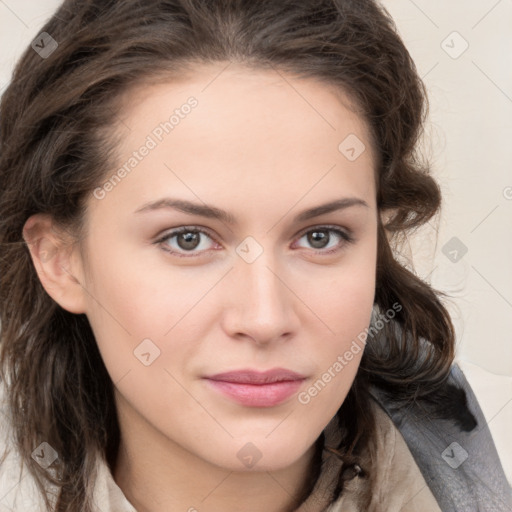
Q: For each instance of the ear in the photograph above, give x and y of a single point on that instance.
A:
(57, 262)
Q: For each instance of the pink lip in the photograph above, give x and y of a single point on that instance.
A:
(257, 389)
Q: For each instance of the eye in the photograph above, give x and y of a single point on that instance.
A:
(322, 240)
(194, 240)
(185, 239)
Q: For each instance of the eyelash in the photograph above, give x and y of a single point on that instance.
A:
(346, 236)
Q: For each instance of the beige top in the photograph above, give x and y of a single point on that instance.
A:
(398, 485)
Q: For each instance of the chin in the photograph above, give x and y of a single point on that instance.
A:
(259, 455)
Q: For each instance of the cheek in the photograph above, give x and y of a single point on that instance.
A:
(130, 303)
(345, 306)
(344, 297)
(348, 316)
(144, 299)
(347, 311)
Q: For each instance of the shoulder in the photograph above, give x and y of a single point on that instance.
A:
(461, 467)
(398, 482)
(393, 481)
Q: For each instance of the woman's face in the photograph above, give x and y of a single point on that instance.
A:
(261, 278)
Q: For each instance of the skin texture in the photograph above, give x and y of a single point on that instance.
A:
(264, 147)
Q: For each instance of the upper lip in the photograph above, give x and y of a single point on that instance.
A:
(257, 377)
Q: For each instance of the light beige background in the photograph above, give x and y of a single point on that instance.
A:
(462, 51)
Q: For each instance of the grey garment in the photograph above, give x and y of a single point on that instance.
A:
(462, 469)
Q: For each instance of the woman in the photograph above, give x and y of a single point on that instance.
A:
(200, 305)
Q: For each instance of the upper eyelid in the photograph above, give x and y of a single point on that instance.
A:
(331, 227)
(185, 229)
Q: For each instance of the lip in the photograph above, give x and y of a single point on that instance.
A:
(253, 388)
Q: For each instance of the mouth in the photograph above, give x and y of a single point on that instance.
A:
(252, 388)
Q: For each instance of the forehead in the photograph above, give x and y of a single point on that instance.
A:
(246, 125)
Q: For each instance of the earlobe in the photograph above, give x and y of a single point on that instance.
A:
(56, 261)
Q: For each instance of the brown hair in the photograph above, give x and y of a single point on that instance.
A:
(55, 149)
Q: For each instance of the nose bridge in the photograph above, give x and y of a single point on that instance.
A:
(262, 301)
(265, 285)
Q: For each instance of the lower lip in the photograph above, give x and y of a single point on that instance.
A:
(257, 395)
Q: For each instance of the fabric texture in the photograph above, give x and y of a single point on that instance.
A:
(418, 468)
(398, 484)
(462, 469)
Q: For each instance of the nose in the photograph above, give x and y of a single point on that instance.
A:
(262, 307)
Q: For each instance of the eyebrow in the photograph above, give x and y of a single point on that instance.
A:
(211, 212)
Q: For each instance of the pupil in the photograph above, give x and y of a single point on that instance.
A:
(318, 239)
(190, 240)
